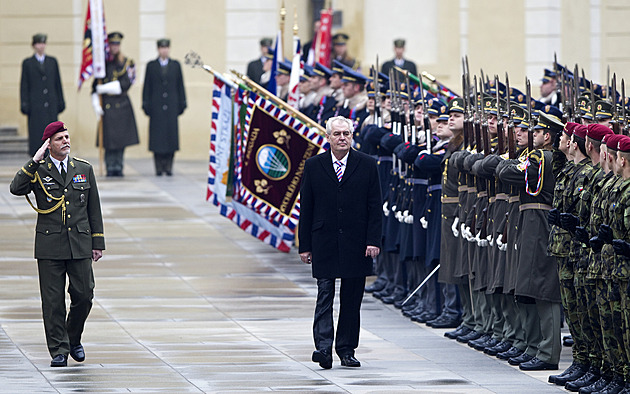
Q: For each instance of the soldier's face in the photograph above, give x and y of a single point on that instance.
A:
(605, 122)
(40, 47)
(114, 49)
(442, 131)
(564, 143)
(492, 124)
(539, 138)
(456, 121)
(164, 52)
(548, 87)
(521, 136)
(433, 122)
(620, 163)
(335, 81)
(612, 160)
(60, 145)
(418, 113)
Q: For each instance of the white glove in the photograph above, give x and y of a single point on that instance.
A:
(96, 104)
(463, 231)
(399, 216)
(112, 87)
(424, 222)
(500, 241)
(454, 228)
(409, 219)
(394, 208)
(515, 247)
(481, 242)
(423, 152)
(490, 240)
(385, 210)
(503, 247)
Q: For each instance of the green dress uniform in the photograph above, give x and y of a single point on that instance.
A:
(69, 226)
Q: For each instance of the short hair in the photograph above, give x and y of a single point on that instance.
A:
(329, 123)
(596, 144)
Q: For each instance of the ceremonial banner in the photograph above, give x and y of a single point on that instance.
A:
(225, 138)
(296, 71)
(275, 147)
(323, 38)
(95, 44)
(278, 57)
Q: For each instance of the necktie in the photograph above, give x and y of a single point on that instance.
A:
(63, 171)
(338, 166)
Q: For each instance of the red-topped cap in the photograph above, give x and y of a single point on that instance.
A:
(597, 131)
(53, 128)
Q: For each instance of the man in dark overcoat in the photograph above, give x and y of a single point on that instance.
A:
(163, 100)
(340, 235)
(41, 93)
(68, 237)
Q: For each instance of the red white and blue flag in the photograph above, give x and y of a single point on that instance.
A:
(95, 44)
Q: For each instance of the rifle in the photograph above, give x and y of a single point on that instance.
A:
(558, 86)
(485, 137)
(530, 131)
(593, 109)
(500, 135)
(576, 93)
(412, 111)
(425, 126)
(608, 83)
(615, 115)
(510, 125)
(378, 118)
(466, 102)
(477, 120)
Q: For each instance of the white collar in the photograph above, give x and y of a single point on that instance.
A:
(344, 160)
(40, 58)
(56, 163)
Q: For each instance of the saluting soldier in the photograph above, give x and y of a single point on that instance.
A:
(68, 237)
(163, 100)
(41, 92)
(119, 122)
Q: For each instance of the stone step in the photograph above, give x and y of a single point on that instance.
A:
(8, 130)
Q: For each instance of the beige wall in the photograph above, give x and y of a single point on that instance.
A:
(518, 36)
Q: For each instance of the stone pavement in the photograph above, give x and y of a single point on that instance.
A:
(187, 302)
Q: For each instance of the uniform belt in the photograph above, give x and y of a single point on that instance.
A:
(543, 207)
(472, 189)
(434, 187)
(375, 157)
(482, 194)
(514, 199)
(450, 200)
(385, 158)
(462, 188)
(502, 197)
(491, 200)
(419, 181)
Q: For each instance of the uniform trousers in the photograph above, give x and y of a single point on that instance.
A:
(163, 163)
(550, 346)
(513, 331)
(114, 160)
(63, 331)
(468, 318)
(349, 320)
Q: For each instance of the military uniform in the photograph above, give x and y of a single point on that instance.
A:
(69, 226)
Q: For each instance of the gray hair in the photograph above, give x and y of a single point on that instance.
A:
(337, 119)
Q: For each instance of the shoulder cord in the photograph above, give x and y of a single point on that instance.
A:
(61, 200)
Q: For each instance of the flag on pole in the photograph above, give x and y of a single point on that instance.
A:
(277, 58)
(95, 45)
(324, 37)
(296, 71)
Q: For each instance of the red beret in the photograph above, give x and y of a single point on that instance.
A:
(612, 140)
(579, 131)
(53, 128)
(568, 128)
(624, 143)
(597, 131)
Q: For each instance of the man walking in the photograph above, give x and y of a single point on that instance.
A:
(69, 235)
(340, 234)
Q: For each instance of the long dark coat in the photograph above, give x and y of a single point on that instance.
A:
(338, 220)
(119, 122)
(41, 97)
(163, 100)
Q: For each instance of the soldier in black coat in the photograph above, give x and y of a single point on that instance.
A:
(255, 68)
(41, 94)
(163, 100)
(398, 60)
(340, 234)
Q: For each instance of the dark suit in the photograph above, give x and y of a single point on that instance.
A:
(338, 220)
(41, 97)
(255, 70)
(407, 65)
(64, 240)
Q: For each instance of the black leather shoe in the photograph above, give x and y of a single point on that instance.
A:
(590, 377)
(487, 345)
(461, 331)
(383, 293)
(350, 361)
(395, 297)
(378, 285)
(523, 358)
(614, 387)
(498, 348)
(595, 387)
(512, 352)
(424, 317)
(482, 339)
(322, 357)
(60, 360)
(567, 341)
(574, 372)
(471, 336)
(446, 323)
(77, 353)
(537, 365)
(410, 305)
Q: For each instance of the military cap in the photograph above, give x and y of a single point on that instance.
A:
(417, 99)
(597, 131)
(39, 38)
(493, 106)
(349, 75)
(115, 37)
(322, 71)
(598, 90)
(549, 123)
(402, 92)
(340, 39)
(53, 128)
(551, 110)
(612, 140)
(487, 103)
(284, 67)
(266, 42)
(517, 112)
(493, 89)
(443, 113)
(337, 67)
(399, 43)
(569, 127)
(580, 131)
(456, 105)
(435, 106)
(369, 88)
(517, 96)
(563, 70)
(585, 85)
(270, 54)
(588, 114)
(583, 101)
(603, 109)
(163, 42)
(623, 145)
(308, 70)
(548, 75)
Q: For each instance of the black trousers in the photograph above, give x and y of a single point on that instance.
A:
(163, 163)
(64, 331)
(349, 322)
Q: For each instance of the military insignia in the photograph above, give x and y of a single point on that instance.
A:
(442, 109)
(273, 162)
(522, 166)
(599, 107)
(79, 178)
(282, 137)
(48, 199)
(262, 186)
(430, 102)
(47, 179)
(72, 163)
(49, 166)
(547, 108)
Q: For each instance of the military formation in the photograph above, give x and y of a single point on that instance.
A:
(503, 215)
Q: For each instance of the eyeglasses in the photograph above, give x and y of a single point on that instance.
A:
(338, 134)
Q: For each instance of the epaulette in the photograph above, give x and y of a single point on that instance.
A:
(81, 160)
(42, 161)
(536, 156)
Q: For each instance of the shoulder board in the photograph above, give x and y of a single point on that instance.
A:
(42, 161)
(81, 160)
(536, 155)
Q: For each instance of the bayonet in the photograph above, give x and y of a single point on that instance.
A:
(624, 129)
(510, 124)
(500, 133)
(530, 130)
(615, 115)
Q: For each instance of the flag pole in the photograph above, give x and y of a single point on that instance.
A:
(283, 14)
(101, 149)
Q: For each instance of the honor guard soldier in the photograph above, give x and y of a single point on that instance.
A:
(398, 60)
(340, 51)
(256, 68)
(41, 92)
(603, 112)
(68, 237)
